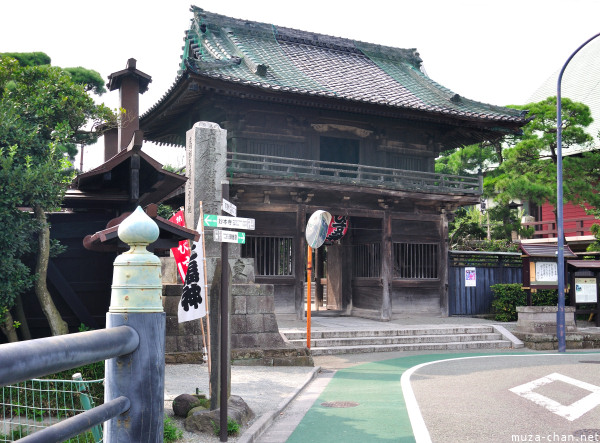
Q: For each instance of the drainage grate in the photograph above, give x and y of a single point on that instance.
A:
(590, 361)
(588, 434)
(339, 404)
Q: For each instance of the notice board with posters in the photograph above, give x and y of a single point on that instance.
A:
(586, 290)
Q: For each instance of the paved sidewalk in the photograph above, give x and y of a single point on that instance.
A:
(269, 390)
(266, 390)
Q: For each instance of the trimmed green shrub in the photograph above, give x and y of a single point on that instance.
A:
(508, 296)
(506, 299)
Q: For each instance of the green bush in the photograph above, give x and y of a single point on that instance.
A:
(547, 297)
(233, 427)
(506, 299)
(171, 432)
(508, 296)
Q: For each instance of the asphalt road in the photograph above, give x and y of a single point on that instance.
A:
(505, 398)
(489, 397)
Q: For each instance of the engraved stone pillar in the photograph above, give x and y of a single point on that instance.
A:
(206, 155)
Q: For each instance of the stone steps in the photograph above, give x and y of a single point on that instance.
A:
(298, 334)
(398, 340)
(332, 342)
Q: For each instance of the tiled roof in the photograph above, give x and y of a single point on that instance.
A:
(543, 250)
(283, 59)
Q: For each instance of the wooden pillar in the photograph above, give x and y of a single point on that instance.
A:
(347, 275)
(335, 272)
(129, 100)
(318, 266)
(300, 261)
(111, 143)
(443, 265)
(134, 181)
(131, 83)
(386, 267)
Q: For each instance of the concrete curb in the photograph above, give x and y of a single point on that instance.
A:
(516, 343)
(265, 420)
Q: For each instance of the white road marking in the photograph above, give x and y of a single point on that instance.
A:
(570, 412)
(419, 427)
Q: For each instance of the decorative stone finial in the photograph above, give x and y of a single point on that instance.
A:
(137, 284)
(138, 229)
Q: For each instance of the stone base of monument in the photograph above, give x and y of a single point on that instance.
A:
(542, 319)
(255, 337)
(200, 419)
(536, 327)
(288, 356)
(183, 341)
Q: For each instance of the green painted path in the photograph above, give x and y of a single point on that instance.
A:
(381, 414)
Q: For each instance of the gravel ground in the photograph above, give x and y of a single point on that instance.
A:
(263, 388)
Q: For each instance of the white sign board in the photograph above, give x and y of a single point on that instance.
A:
(585, 290)
(222, 221)
(230, 208)
(546, 271)
(229, 236)
(192, 305)
(470, 277)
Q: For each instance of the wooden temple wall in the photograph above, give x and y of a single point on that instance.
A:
(356, 271)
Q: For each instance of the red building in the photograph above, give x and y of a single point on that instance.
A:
(576, 224)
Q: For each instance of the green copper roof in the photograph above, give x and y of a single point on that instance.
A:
(283, 59)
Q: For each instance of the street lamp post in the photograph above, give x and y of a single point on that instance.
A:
(560, 314)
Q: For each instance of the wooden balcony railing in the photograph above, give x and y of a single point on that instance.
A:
(346, 173)
(572, 227)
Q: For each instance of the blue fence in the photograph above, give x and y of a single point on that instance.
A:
(490, 268)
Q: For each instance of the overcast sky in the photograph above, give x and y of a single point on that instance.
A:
(496, 52)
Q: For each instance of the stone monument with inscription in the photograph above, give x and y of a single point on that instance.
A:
(252, 313)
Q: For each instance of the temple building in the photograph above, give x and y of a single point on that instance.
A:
(315, 122)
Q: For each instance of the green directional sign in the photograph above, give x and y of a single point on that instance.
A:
(210, 220)
(222, 221)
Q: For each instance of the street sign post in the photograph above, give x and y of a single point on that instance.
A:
(229, 236)
(222, 221)
(229, 207)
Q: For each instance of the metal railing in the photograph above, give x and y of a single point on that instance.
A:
(346, 173)
(132, 346)
(35, 358)
(35, 404)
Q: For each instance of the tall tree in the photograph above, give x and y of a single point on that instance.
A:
(524, 167)
(466, 160)
(44, 115)
(528, 171)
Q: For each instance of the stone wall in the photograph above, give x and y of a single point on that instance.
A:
(255, 337)
(253, 322)
(536, 327)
